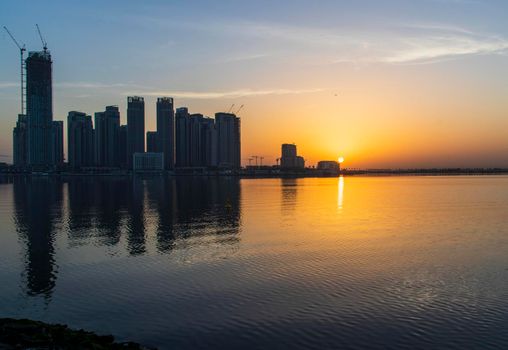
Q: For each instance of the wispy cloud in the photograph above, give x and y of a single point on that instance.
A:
(434, 48)
(90, 85)
(459, 2)
(242, 57)
(221, 94)
(404, 43)
(127, 89)
(73, 85)
(389, 43)
(8, 84)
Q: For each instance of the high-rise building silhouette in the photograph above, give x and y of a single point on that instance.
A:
(39, 102)
(152, 141)
(80, 140)
(289, 158)
(209, 146)
(20, 141)
(135, 126)
(196, 140)
(107, 125)
(195, 150)
(182, 137)
(166, 130)
(57, 142)
(123, 147)
(228, 140)
(288, 151)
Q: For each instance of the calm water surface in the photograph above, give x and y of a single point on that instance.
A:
(355, 262)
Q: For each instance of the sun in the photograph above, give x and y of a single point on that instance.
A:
(341, 159)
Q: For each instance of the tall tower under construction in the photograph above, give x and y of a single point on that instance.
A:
(39, 105)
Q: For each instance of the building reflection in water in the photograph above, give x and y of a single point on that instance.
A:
(136, 235)
(289, 192)
(127, 213)
(38, 209)
(196, 211)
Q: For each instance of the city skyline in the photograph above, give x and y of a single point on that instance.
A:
(38, 140)
(421, 88)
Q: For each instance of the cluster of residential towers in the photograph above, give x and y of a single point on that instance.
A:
(182, 140)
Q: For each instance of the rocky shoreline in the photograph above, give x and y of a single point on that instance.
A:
(28, 334)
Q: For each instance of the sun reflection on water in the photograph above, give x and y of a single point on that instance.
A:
(340, 199)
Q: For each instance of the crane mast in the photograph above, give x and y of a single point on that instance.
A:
(22, 50)
(44, 43)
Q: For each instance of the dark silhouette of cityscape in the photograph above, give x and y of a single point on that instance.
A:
(182, 139)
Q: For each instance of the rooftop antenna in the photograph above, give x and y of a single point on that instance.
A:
(22, 50)
(44, 43)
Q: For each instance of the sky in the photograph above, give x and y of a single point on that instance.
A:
(384, 83)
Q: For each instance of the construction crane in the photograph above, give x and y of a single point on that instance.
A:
(239, 109)
(22, 50)
(256, 159)
(230, 108)
(261, 159)
(44, 43)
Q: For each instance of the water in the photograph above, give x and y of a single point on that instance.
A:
(355, 262)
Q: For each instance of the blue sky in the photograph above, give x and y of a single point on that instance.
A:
(280, 57)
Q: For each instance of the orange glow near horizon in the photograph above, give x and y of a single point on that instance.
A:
(378, 124)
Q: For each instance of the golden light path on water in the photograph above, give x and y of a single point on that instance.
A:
(340, 199)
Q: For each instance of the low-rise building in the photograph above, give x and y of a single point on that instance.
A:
(330, 165)
(148, 162)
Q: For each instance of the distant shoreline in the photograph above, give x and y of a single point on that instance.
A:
(274, 173)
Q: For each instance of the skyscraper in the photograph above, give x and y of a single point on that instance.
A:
(152, 141)
(57, 142)
(195, 149)
(228, 140)
(135, 126)
(80, 142)
(209, 142)
(182, 137)
(107, 125)
(123, 147)
(20, 141)
(39, 101)
(166, 130)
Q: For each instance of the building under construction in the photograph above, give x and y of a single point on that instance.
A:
(39, 108)
(37, 139)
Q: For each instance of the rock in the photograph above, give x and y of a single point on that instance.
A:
(24, 334)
